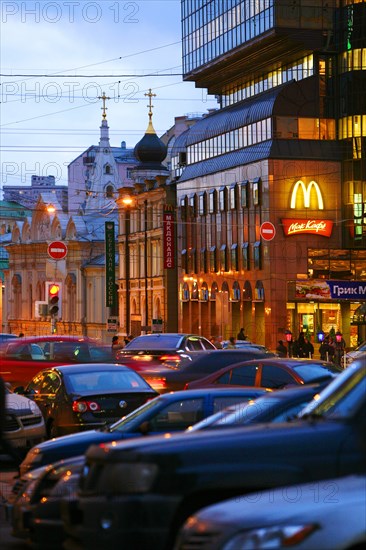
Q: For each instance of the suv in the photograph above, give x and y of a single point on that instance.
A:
(140, 492)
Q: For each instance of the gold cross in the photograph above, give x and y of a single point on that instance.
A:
(104, 108)
(150, 95)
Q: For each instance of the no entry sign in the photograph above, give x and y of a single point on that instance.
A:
(268, 231)
(57, 250)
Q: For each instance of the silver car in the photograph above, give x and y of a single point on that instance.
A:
(24, 423)
(326, 515)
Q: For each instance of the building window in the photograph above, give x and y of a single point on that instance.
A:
(213, 259)
(256, 191)
(203, 260)
(202, 208)
(233, 197)
(224, 264)
(245, 256)
(213, 201)
(192, 201)
(185, 261)
(257, 255)
(234, 257)
(223, 199)
(244, 194)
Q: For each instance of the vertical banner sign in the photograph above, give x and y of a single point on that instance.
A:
(110, 267)
(169, 228)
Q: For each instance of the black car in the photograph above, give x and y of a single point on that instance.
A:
(197, 365)
(85, 396)
(277, 406)
(141, 491)
(275, 373)
(170, 412)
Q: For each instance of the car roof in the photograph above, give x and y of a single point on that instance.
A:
(89, 367)
(243, 390)
(55, 338)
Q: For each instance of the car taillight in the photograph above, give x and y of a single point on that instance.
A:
(174, 357)
(84, 406)
(158, 383)
(186, 386)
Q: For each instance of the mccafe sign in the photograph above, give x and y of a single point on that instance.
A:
(316, 227)
(310, 197)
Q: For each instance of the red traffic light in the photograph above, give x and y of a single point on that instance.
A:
(54, 289)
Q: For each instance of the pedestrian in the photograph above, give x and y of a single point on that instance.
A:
(231, 344)
(241, 335)
(116, 345)
(218, 342)
(21, 335)
(308, 348)
(128, 339)
(281, 349)
(300, 345)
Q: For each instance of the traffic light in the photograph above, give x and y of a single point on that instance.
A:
(54, 299)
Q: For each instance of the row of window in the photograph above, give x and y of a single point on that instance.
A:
(225, 198)
(223, 259)
(297, 70)
(352, 126)
(353, 60)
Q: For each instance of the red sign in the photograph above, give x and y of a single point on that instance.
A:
(57, 250)
(268, 231)
(169, 251)
(317, 227)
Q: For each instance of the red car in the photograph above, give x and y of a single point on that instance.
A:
(22, 358)
(274, 373)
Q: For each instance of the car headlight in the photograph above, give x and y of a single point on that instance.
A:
(122, 477)
(270, 537)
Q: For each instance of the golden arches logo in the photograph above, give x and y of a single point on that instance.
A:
(306, 192)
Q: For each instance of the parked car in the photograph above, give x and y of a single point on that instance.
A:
(197, 365)
(141, 491)
(5, 336)
(24, 425)
(33, 506)
(277, 406)
(274, 373)
(23, 358)
(239, 344)
(153, 350)
(326, 515)
(80, 397)
(355, 353)
(170, 412)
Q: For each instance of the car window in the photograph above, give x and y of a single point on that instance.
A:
(179, 415)
(100, 353)
(37, 353)
(193, 344)
(221, 403)
(275, 377)
(244, 376)
(151, 342)
(51, 383)
(310, 372)
(35, 384)
(106, 381)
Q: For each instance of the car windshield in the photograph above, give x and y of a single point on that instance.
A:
(132, 421)
(109, 381)
(312, 372)
(155, 342)
(342, 398)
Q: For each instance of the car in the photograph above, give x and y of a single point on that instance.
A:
(197, 365)
(355, 353)
(24, 424)
(23, 358)
(327, 515)
(5, 336)
(276, 406)
(33, 506)
(169, 412)
(274, 373)
(85, 396)
(239, 344)
(141, 491)
(154, 350)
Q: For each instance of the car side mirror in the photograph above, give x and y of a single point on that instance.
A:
(145, 428)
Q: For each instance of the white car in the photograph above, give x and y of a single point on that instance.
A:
(326, 515)
(24, 423)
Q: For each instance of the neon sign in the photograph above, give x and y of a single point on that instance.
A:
(306, 190)
(318, 227)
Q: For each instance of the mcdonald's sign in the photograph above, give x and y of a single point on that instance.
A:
(301, 187)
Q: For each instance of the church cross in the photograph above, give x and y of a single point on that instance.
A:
(104, 108)
(150, 95)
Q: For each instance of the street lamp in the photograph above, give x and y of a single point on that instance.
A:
(288, 335)
(145, 267)
(320, 335)
(127, 202)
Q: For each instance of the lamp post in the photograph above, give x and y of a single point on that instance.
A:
(127, 202)
(145, 267)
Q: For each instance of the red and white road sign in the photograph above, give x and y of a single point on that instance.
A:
(57, 250)
(268, 231)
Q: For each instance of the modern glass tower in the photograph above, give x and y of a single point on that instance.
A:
(286, 145)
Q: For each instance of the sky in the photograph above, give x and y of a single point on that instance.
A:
(58, 57)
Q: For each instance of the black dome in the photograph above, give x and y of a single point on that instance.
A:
(150, 150)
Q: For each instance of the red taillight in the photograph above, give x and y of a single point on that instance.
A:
(186, 386)
(174, 357)
(158, 383)
(84, 406)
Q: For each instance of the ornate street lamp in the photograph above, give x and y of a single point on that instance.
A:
(320, 336)
(288, 335)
